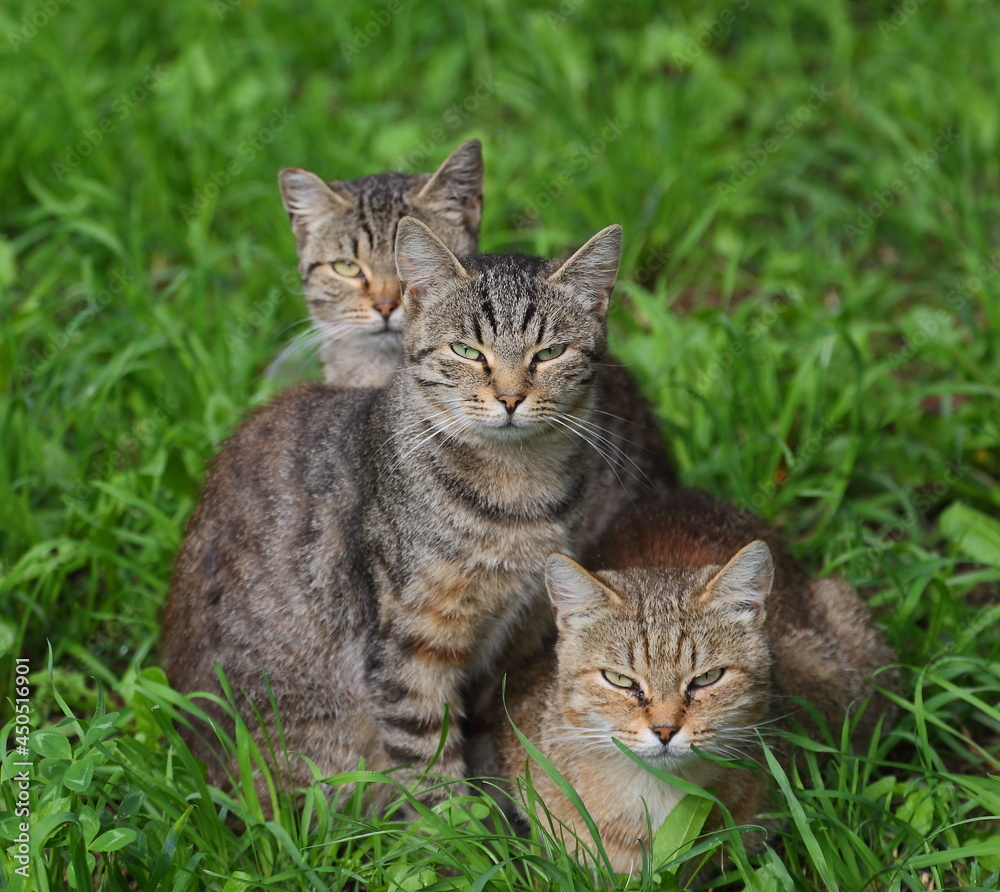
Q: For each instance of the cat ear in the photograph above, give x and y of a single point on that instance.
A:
(574, 592)
(423, 262)
(591, 271)
(741, 587)
(455, 189)
(307, 197)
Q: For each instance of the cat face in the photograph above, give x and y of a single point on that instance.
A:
(664, 659)
(504, 347)
(344, 233)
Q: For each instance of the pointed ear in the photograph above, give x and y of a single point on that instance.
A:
(591, 271)
(306, 197)
(455, 189)
(741, 587)
(423, 262)
(574, 592)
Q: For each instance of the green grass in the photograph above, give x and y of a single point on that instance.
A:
(810, 296)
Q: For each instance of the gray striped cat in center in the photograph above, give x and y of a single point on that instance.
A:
(379, 553)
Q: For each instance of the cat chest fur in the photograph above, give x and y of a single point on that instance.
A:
(458, 551)
(464, 609)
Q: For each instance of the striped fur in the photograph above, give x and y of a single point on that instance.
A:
(357, 320)
(379, 552)
(680, 589)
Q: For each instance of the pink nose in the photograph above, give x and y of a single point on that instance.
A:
(386, 307)
(665, 732)
(511, 401)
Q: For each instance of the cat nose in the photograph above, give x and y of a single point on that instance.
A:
(665, 732)
(511, 401)
(385, 307)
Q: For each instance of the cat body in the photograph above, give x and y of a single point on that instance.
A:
(345, 234)
(379, 552)
(694, 628)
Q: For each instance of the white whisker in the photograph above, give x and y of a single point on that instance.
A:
(424, 420)
(598, 431)
(630, 423)
(453, 426)
(560, 420)
(303, 344)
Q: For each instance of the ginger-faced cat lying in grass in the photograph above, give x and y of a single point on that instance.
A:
(695, 629)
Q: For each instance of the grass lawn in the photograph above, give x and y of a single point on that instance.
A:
(810, 295)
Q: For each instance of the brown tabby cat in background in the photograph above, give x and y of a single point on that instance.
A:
(694, 629)
(345, 234)
(380, 553)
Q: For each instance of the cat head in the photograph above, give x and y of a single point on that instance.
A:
(505, 346)
(344, 234)
(664, 659)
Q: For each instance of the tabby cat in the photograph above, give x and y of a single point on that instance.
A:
(344, 234)
(694, 629)
(379, 553)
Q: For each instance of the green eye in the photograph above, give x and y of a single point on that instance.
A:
(707, 678)
(347, 268)
(551, 353)
(617, 679)
(466, 352)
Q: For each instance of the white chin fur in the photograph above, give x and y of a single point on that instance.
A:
(377, 327)
(501, 429)
(385, 340)
(668, 758)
